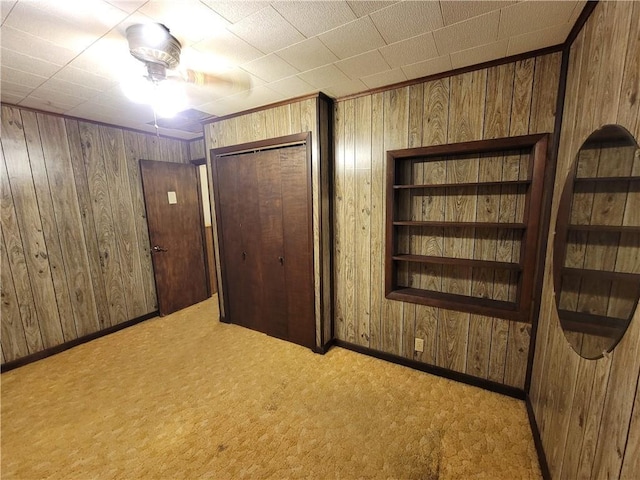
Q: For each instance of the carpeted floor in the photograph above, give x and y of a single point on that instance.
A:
(185, 396)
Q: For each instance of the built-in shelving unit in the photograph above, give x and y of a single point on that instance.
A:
(462, 225)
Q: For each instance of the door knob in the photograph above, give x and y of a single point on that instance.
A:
(281, 260)
(157, 248)
(244, 255)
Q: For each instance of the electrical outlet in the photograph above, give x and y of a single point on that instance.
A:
(419, 345)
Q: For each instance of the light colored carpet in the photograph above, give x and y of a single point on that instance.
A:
(185, 396)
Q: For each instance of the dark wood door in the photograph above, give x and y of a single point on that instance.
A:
(174, 216)
(267, 255)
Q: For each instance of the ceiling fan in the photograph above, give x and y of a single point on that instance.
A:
(159, 51)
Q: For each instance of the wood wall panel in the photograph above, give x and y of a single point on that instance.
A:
(512, 99)
(75, 248)
(299, 116)
(587, 410)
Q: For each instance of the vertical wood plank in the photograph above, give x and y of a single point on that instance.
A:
(377, 220)
(135, 146)
(28, 217)
(14, 342)
(349, 225)
(630, 90)
(545, 91)
(363, 219)
(396, 124)
(103, 219)
(50, 228)
(65, 205)
(88, 225)
(115, 162)
(338, 223)
(631, 464)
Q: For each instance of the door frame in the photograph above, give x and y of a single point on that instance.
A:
(249, 147)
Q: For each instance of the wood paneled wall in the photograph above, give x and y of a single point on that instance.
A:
(588, 411)
(75, 246)
(305, 115)
(507, 100)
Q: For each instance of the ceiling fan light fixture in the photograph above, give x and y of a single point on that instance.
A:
(153, 43)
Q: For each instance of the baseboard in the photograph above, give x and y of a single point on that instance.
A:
(324, 348)
(537, 440)
(74, 343)
(434, 370)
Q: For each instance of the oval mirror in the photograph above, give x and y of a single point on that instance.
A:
(597, 245)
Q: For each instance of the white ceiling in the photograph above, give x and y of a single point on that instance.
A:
(67, 56)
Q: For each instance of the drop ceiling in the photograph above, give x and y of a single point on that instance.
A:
(68, 56)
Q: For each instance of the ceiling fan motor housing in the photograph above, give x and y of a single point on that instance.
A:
(162, 50)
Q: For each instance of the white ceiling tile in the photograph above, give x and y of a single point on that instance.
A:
(528, 16)
(219, 107)
(76, 26)
(229, 47)
(363, 65)
(481, 54)
(6, 97)
(26, 63)
(324, 76)
(292, 87)
(538, 39)
(353, 38)
(428, 67)
(57, 99)
(410, 51)
(348, 87)
(188, 20)
(16, 89)
(35, 47)
(235, 11)
(128, 6)
(5, 8)
(365, 7)
(313, 18)
(266, 30)
(308, 54)
(407, 19)
(270, 68)
(384, 78)
(46, 105)
(11, 75)
(56, 85)
(461, 36)
(457, 11)
(82, 77)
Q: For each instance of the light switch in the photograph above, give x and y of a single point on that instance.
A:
(172, 198)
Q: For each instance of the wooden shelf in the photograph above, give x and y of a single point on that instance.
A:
(452, 301)
(604, 228)
(508, 226)
(462, 262)
(463, 185)
(600, 274)
(583, 322)
(466, 200)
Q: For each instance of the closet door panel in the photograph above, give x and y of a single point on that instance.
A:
(270, 237)
(242, 280)
(298, 247)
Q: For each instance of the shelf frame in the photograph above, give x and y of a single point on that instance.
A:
(519, 310)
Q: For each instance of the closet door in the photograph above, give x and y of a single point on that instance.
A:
(264, 210)
(240, 254)
(298, 244)
(270, 221)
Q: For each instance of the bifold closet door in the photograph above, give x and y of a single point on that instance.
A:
(241, 261)
(267, 247)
